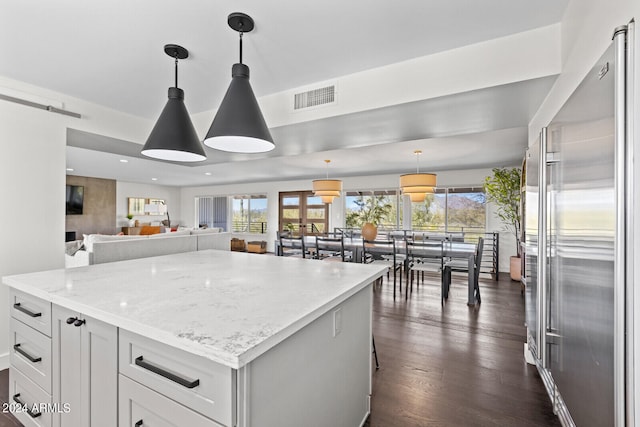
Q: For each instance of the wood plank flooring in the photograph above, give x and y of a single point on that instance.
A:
(454, 365)
(448, 365)
(6, 419)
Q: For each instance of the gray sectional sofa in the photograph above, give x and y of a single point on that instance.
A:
(98, 249)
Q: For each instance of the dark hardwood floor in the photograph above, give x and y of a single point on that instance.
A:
(6, 419)
(448, 365)
(454, 365)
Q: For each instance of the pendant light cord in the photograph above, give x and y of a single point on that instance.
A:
(241, 33)
(176, 71)
(418, 162)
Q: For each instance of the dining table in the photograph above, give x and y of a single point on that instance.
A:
(450, 249)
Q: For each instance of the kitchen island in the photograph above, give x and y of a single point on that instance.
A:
(208, 338)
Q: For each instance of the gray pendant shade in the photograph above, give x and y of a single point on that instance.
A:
(239, 125)
(174, 137)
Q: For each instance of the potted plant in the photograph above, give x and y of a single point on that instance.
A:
(371, 211)
(503, 189)
(130, 218)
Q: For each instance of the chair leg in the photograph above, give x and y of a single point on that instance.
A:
(375, 353)
(446, 282)
(394, 281)
(477, 291)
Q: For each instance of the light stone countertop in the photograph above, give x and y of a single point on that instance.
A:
(229, 307)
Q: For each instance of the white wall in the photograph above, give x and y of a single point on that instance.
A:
(32, 181)
(171, 196)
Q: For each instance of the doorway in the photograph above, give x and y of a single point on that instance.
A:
(302, 213)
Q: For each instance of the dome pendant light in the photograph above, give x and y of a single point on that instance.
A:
(417, 185)
(174, 137)
(327, 188)
(239, 126)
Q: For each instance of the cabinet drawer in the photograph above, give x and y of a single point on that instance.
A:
(31, 311)
(28, 394)
(30, 352)
(140, 406)
(200, 384)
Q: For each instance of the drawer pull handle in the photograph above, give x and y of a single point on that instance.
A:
(25, 354)
(70, 320)
(29, 313)
(165, 373)
(138, 424)
(16, 398)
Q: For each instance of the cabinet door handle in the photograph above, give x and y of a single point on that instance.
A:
(16, 398)
(70, 320)
(165, 373)
(25, 354)
(29, 313)
(79, 322)
(138, 424)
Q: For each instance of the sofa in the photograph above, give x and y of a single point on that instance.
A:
(98, 249)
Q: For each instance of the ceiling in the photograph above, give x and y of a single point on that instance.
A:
(111, 53)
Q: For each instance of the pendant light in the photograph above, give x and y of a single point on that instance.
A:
(174, 137)
(417, 185)
(239, 126)
(327, 188)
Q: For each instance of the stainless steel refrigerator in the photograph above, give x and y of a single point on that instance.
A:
(576, 225)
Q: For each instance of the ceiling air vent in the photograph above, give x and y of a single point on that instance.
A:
(315, 97)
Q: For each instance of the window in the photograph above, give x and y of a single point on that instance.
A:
(249, 214)
(451, 209)
(380, 207)
(465, 209)
(211, 212)
(430, 215)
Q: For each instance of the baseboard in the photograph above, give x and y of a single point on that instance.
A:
(4, 361)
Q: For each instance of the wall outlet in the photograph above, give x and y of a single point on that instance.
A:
(337, 322)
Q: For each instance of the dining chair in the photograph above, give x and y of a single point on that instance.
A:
(462, 265)
(291, 246)
(331, 249)
(423, 256)
(383, 252)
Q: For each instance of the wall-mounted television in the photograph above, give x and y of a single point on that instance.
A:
(75, 199)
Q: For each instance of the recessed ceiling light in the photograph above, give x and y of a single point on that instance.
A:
(124, 161)
(207, 173)
(154, 179)
(69, 169)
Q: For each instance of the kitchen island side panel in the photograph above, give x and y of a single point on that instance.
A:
(314, 378)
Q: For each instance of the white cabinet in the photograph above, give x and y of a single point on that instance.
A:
(141, 406)
(31, 353)
(85, 370)
(200, 384)
(32, 311)
(30, 359)
(28, 402)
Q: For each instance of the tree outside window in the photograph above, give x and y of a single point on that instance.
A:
(451, 210)
(249, 214)
(379, 207)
